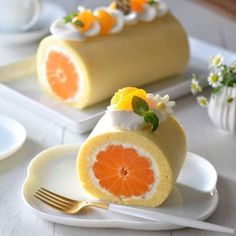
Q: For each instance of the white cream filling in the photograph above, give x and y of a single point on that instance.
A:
(45, 82)
(141, 152)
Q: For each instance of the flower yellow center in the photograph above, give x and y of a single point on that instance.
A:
(161, 106)
(214, 78)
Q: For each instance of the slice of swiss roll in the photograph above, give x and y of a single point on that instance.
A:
(135, 152)
(95, 53)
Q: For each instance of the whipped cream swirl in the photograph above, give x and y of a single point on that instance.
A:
(67, 31)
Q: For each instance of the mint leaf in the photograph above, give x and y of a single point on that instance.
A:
(139, 105)
(152, 2)
(69, 17)
(79, 23)
(152, 119)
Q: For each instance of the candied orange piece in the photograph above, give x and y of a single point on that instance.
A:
(61, 75)
(123, 172)
(137, 5)
(122, 100)
(86, 18)
(106, 21)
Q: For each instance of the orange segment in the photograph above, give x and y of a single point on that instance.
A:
(61, 75)
(106, 21)
(87, 18)
(137, 5)
(123, 98)
(123, 172)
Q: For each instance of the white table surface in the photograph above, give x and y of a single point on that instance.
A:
(203, 138)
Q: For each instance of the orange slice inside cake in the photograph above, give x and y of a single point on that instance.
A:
(123, 172)
(61, 75)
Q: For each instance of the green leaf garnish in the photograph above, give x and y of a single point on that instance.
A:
(68, 18)
(152, 119)
(141, 107)
(79, 23)
(152, 2)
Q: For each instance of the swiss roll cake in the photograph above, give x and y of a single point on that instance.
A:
(91, 54)
(136, 151)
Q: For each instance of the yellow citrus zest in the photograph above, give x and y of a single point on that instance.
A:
(122, 100)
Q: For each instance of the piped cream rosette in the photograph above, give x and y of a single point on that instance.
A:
(129, 158)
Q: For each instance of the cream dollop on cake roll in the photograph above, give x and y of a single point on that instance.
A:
(91, 54)
(136, 151)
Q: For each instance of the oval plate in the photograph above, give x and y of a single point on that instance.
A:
(12, 136)
(194, 196)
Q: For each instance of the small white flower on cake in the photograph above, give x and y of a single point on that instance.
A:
(162, 103)
(216, 61)
(214, 79)
(195, 87)
(202, 101)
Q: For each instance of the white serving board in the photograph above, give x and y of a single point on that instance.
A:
(26, 92)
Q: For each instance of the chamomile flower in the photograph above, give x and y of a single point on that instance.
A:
(202, 101)
(214, 79)
(216, 61)
(195, 87)
(164, 104)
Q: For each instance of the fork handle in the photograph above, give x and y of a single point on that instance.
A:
(172, 219)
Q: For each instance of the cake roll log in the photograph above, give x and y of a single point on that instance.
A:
(100, 160)
(138, 55)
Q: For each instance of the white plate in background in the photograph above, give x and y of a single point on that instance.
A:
(12, 136)
(194, 196)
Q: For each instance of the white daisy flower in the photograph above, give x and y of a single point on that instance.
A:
(214, 79)
(216, 61)
(195, 87)
(163, 103)
(202, 101)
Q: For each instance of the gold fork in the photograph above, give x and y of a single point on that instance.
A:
(64, 204)
(70, 206)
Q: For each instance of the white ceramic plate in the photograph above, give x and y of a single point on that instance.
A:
(50, 12)
(12, 136)
(26, 92)
(194, 196)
